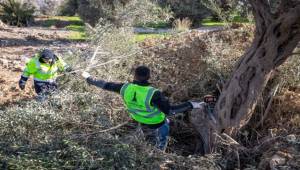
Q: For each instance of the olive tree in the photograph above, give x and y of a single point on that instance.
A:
(277, 34)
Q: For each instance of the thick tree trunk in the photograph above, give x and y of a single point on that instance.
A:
(276, 37)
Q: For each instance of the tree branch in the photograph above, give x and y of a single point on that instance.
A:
(291, 18)
(295, 54)
(261, 12)
(286, 4)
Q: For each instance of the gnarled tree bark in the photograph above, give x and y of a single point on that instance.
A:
(277, 35)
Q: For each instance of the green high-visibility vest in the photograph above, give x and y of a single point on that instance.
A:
(43, 71)
(138, 102)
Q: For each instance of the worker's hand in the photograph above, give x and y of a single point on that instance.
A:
(85, 75)
(197, 105)
(22, 84)
(68, 69)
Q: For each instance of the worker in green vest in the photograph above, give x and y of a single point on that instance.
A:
(44, 68)
(145, 104)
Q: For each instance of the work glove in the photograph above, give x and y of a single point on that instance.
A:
(68, 69)
(22, 84)
(197, 105)
(85, 74)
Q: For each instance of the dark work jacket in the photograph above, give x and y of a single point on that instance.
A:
(158, 99)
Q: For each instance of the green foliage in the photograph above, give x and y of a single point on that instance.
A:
(63, 20)
(63, 133)
(16, 13)
(91, 11)
(51, 135)
(68, 8)
(231, 11)
(192, 9)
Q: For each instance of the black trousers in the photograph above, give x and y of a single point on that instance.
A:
(44, 88)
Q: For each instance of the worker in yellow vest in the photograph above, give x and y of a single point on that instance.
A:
(44, 68)
(145, 104)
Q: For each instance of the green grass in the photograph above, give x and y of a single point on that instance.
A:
(240, 19)
(156, 25)
(74, 24)
(78, 28)
(212, 23)
(77, 36)
(209, 22)
(142, 37)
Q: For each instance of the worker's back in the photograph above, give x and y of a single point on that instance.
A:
(138, 102)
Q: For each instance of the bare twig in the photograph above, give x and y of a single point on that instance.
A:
(103, 131)
(268, 106)
(92, 59)
(90, 27)
(115, 59)
(266, 142)
(232, 141)
(238, 159)
(295, 54)
(78, 70)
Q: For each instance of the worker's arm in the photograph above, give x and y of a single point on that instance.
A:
(30, 69)
(164, 105)
(110, 86)
(61, 64)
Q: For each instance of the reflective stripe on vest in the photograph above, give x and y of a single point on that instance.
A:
(40, 71)
(141, 109)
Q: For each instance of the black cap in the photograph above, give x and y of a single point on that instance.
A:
(142, 73)
(47, 54)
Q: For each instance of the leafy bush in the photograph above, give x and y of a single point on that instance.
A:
(192, 9)
(47, 7)
(235, 11)
(68, 8)
(16, 13)
(91, 11)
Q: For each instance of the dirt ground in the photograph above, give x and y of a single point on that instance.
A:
(19, 44)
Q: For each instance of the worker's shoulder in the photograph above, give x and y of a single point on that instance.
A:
(57, 57)
(34, 60)
(157, 93)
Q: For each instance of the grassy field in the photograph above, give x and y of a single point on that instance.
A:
(74, 24)
(155, 25)
(209, 22)
(78, 33)
(142, 37)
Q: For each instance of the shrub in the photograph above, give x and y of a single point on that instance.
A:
(47, 7)
(16, 13)
(91, 11)
(182, 24)
(193, 9)
(68, 8)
